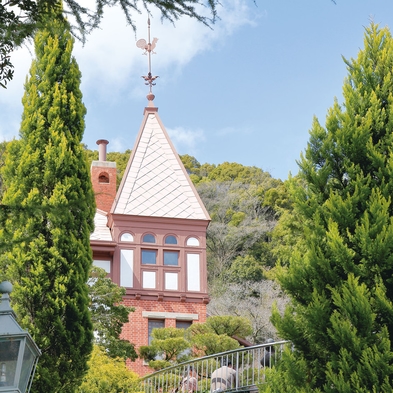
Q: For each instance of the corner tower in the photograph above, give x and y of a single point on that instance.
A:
(153, 240)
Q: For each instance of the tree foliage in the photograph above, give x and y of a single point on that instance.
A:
(108, 375)
(246, 269)
(171, 345)
(3, 150)
(226, 172)
(167, 345)
(210, 343)
(229, 325)
(218, 334)
(340, 272)
(252, 300)
(232, 171)
(240, 224)
(108, 315)
(51, 205)
(16, 24)
(287, 233)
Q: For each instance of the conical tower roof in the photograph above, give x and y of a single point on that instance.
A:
(155, 182)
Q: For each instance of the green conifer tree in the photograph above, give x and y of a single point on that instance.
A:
(340, 274)
(48, 190)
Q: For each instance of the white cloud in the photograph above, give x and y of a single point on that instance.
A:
(186, 140)
(112, 65)
(111, 62)
(117, 144)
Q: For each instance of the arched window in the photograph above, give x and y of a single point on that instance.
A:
(126, 237)
(192, 241)
(149, 238)
(103, 177)
(170, 240)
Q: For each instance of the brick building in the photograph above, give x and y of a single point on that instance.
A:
(150, 235)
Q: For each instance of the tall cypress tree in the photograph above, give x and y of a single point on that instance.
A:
(340, 275)
(48, 189)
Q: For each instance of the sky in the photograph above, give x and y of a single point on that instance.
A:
(245, 90)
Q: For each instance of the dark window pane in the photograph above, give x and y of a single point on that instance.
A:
(170, 240)
(171, 258)
(153, 324)
(148, 257)
(183, 324)
(149, 238)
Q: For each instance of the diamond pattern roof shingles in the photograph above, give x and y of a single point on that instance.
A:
(101, 230)
(155, 184)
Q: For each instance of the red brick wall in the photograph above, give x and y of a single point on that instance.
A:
(104, 192)
(136, 330)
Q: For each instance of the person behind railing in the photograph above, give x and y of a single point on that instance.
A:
(223, 378)
(189, 384)
(269, 353)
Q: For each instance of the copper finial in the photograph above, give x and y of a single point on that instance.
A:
(148, 50)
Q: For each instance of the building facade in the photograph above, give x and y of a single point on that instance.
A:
(150, 235)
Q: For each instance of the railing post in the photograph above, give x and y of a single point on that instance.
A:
(237, 370)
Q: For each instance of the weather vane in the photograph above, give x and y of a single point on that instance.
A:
(148, 50)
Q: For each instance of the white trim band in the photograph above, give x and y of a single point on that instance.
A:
(169, 315)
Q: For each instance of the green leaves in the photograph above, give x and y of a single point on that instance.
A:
(48, 192)
(229, 325)
(211, 343)
(339, 273)
(170, 345)
(108, 375)
(108, 315)
(167, 346)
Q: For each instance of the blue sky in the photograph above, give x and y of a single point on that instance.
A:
(245, 91)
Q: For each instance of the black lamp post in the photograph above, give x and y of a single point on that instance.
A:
(18, 352)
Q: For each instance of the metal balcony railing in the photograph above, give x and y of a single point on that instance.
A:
(249, 364)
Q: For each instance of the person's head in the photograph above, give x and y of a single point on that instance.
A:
(269, 341)
(229, 364)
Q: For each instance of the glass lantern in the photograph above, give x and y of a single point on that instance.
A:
(18, 352)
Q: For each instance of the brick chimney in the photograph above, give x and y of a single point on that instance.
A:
(103, 178)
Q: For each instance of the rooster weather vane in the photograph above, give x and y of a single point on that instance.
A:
(148, 50)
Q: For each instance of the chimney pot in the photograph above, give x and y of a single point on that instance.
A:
(102, 149)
